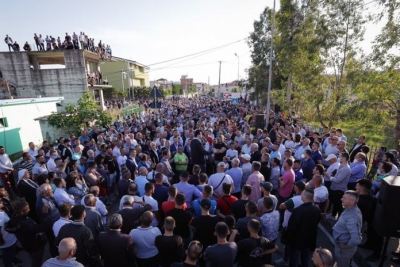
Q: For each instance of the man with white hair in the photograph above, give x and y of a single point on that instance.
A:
(246, 167)
(218, 179)
(236, 173)
(66, 249)
(255, 154)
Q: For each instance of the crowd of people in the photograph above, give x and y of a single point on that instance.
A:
(198, 184)
(50, 43)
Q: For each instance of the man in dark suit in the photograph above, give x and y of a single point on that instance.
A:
(130, 215)
(301, 233)
(155, 157)
(86, 251)
(131, 163)
(67, 151)
(255, 154)
(357, 147)
(116, 248)
(198, 151)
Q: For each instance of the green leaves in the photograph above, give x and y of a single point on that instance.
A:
(81, 116)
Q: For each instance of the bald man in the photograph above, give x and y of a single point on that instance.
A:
(66, 249)
(322, 258)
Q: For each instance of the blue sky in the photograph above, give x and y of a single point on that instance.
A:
(151, 31)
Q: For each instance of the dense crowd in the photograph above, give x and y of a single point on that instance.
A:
(50, 43)
(198, 183)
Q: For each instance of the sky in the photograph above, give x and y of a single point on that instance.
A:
(153, 31)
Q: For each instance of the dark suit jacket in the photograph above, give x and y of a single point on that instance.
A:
(154, 157)
(132, 166)
(116, 249)
(86, 251)
(302, 228)
(353, 152)
(255, 156)
(130, 218)
(198, 152)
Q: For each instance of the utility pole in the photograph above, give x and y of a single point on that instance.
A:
(270, 64)
(219, 80)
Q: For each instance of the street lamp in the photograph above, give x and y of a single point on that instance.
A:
(270, 65)
(238, 68)
(123, 76)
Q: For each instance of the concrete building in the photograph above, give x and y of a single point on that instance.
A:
(49, 74)
(18, 124)
(163, 83)
(226, 89)
(123, 73)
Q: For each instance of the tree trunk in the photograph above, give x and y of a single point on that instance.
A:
(289, 89)
(397, 130)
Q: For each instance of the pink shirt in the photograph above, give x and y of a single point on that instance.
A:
(255, 179)
(287, 179)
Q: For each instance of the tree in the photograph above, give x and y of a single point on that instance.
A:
(81, 116)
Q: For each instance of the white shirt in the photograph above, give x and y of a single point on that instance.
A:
(232, 153)
(51, 165)
(61, 196)
(215, 180)
(320, 194)
(246, 149)
(330, 170)
(121, 161)
(5, 163)
(116, 152)
(154, 204)
(58, 224)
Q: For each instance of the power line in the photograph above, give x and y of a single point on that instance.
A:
(215, 48)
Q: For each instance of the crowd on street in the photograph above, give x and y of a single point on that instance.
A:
(74, 41)
(198, 182)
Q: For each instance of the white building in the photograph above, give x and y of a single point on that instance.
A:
(18, 126)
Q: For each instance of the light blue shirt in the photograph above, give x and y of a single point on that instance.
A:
(300, 151)
(275, 154)
(141, 181)
(347, 230)
(190, 192)
(236, 174)
(143, 240)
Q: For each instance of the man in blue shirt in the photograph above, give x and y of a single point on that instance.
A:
(207, 193)
(189, 190)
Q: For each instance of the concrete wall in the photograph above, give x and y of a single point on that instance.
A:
(70, 82)
(50, 133)
(22, 128)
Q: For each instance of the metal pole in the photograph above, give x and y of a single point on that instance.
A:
(219, 80)
(238, 68)
(122, 80)
(270, 64)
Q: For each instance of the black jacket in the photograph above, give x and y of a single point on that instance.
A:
(86, 252)
(353, 152)
(116, 249)
(255, 156)
(29, 234)
(131, 218)
(198, 152)
(302, 228)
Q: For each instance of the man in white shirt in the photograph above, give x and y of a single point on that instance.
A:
(246, 167)
(32, 152)
(231, 153)
(116, 150)
(334, 165)
(65, 213)
(149, 188)
(122, 159)
(60, 195)
(217, 179)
